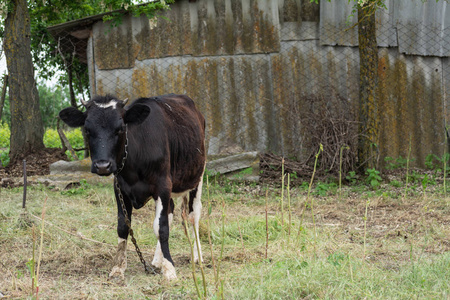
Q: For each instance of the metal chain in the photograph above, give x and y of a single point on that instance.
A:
(125, 156)
(130, 230)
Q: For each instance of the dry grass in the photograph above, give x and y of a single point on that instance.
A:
(407, 244)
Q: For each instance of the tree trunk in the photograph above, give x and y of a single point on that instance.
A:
(3, 97)
(368, 56)
(27, 129)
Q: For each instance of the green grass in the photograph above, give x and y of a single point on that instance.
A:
(407, 249)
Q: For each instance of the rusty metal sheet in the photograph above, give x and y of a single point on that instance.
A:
(423, 28)
(410, 105)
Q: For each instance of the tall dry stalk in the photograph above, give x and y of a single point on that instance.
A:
(445, 162)
(365, 229)
(340, 170)
(307, 199)
(32, 262)
(186, 231)
(267, 224)
(407, 168)
(200, 263)
(221, 248)
(41, 246)
(208, 221)
(289, 205)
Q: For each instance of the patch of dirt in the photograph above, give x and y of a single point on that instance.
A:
(37, 163)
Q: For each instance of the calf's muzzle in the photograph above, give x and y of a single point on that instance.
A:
(102, 167)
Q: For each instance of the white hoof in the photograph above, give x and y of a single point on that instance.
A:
(117, 272)
(168, 270)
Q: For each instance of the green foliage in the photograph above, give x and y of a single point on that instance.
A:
(80, 189)
(398, 163)
(426, 181)
(434, 162)
(322, 189)
(5, 133)
(337, 258)
(49, 61)
(52, 100)
(75, 138)
(4, 157)
(373, 178)
(414, 177)
(396, 183)
(243, 173)
(52, 140)
(351, 177)
(144, 8)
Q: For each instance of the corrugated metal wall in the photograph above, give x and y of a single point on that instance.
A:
(257, 68)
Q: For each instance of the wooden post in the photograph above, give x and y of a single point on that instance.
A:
(24, 183)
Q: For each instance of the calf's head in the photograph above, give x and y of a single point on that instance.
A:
(105, 121)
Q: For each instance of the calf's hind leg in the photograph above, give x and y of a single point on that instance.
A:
(195, 211)
(158, 257)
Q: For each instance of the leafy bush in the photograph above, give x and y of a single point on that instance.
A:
(52, 140)
(75, 138)
(4, 157)
(4, 135)
(373, 178)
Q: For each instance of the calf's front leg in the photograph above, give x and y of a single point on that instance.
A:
(120, 260)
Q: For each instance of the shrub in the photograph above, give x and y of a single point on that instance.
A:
(75, 138)
(52, 140)
(4, 135)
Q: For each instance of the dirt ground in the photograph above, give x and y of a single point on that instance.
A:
(36, 163)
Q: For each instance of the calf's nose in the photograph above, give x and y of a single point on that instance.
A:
(103, 167)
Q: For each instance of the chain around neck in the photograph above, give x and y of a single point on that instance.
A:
(125, 155)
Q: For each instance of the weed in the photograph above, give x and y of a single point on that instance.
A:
(322, 189)
(431, 161)
(398, 163)
(337, 258)
(4, 157)
(373, 178)
(80, 189)
(395, 183)
(351, 177)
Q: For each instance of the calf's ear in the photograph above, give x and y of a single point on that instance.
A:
(136, 114)
(72, 117)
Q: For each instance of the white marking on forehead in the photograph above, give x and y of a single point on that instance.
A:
(112, 103)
